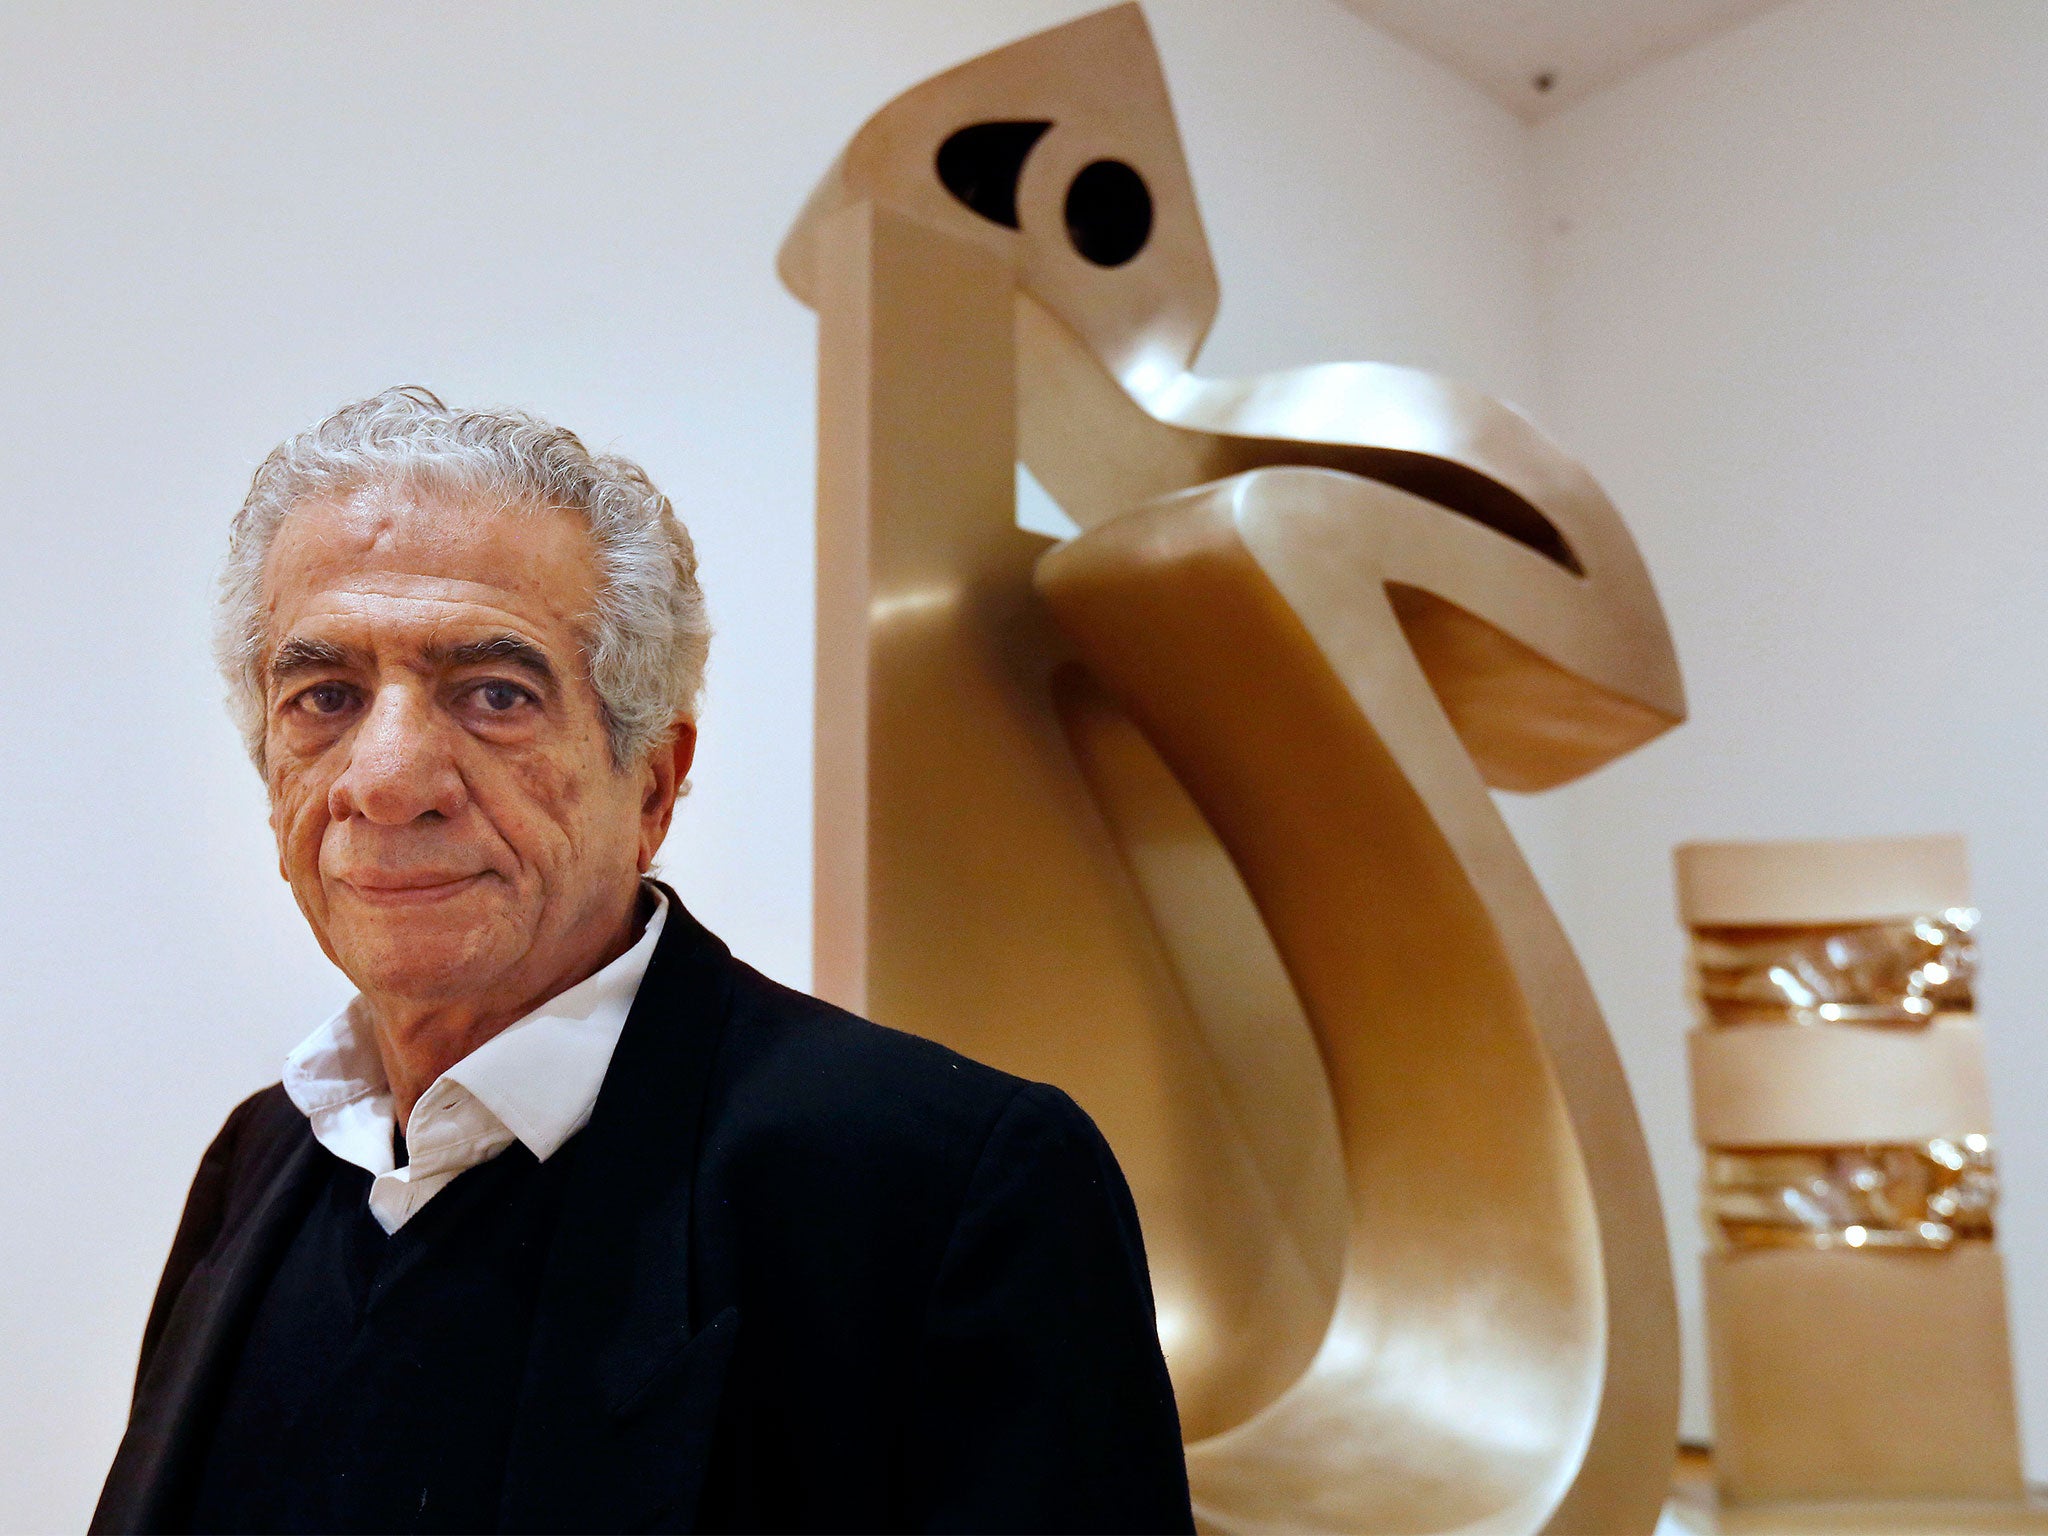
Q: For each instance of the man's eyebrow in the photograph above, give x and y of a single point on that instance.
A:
(512, 650)
(300, 655)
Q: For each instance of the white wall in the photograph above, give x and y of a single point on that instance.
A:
(218, 221)
(1797, 323)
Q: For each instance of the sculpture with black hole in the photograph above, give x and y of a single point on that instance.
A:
(1189, 813)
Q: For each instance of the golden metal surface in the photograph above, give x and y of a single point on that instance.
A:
(1877, 1198)
(1861, 1376)
(1189, 814)
(1896, 974)
(1855, 1300)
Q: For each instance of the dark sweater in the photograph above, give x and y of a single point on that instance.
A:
(376, 1387)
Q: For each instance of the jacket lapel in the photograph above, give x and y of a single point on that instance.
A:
(623, 1381)
(154, 1468)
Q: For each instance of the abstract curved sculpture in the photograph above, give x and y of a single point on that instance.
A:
(1189, 813)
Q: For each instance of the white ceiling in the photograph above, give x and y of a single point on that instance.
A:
(1508, 47)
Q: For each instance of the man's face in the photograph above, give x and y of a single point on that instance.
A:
(441, 786)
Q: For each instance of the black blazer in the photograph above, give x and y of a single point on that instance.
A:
(811, 1274)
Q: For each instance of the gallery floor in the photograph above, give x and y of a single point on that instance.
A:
(1694, 1511)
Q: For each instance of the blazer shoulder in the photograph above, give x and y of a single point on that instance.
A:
(264, 1119)
(260, 1133)
(265, 1114)
(808, 1069)
(257, 1136)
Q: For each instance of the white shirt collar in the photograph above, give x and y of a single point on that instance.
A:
(536, 1081)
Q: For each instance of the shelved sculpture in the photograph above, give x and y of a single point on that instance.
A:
(1855, 1301)
(1189, 813)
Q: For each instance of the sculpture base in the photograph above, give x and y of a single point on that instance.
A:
(1857, 1376)
(1694, 1510)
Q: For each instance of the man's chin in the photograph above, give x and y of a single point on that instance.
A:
(427, 946)
(425, 973)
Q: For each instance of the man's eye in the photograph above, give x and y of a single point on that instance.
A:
(325, 698)
(500, 697)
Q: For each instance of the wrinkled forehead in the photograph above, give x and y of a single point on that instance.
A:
(408, 553)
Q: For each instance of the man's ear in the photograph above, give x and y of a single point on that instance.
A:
(668, 770)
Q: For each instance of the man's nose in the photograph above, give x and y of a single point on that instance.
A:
(401, 764)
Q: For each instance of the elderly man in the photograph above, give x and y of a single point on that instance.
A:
(571, 1221)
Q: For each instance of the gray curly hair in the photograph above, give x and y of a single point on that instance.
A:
(644, 647)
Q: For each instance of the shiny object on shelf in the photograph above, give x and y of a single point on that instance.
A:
(1922, 1197)
(1895, 974)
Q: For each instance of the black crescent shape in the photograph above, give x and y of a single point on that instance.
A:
(982, 163)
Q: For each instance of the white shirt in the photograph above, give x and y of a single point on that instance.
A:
(536, 1082)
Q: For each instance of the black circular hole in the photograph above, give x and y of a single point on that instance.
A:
(1109, 213)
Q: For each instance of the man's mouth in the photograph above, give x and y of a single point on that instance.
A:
(409, 890)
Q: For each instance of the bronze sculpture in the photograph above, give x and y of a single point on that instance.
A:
(1855, 1296)
(1189, 814)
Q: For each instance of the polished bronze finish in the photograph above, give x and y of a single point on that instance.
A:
(1899, 973)
(1855, 1298)
(1189, 814)
(1925, 1196)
